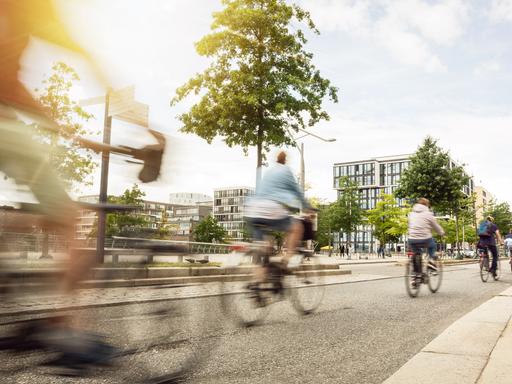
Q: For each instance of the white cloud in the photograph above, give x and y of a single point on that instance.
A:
(408, 29)
(487, 67)
(500, 10)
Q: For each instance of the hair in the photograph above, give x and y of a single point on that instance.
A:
(490, 218)
(424, 201)
(281, 157)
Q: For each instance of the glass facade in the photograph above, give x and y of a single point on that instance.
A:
(373, 177)
(228, 206)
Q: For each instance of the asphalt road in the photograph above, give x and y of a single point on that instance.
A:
(362, 333)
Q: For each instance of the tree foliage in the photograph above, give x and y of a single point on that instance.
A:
(450, 229)
(209, 231)
(345, 214)
(126, 223)
(71, 162)
(388, 219)
(431, 174)
(261, 83)
(502, 215)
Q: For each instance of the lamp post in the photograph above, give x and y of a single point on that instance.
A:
(301, 151)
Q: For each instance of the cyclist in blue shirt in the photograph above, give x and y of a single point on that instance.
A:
(488, 233)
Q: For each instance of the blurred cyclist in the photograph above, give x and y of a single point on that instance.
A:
(277, 196)
(488, 233)
(421, 224)
(27, 161)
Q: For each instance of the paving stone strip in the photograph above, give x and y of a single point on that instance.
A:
(100, 297)
(475, 349)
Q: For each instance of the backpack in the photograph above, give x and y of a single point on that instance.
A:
(484, 230)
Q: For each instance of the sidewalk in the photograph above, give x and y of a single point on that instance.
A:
(476, 349)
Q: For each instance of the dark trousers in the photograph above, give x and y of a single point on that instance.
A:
(494, 252)
(416, 245)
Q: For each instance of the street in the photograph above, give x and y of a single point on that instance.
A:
(362, 333)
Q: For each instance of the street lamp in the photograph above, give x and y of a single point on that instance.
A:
(301, 151)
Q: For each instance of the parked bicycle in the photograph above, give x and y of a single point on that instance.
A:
(301, 282)
(420, 269)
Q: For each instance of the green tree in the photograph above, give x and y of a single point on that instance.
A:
(324, 229)
(261, 83)
(502, 215)
(209, 230)
(431, 174)
(388, 219)
(126, 223)
(346, 213)
(72, 163)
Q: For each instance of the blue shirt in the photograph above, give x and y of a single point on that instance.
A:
(489, 240)
(278, 184)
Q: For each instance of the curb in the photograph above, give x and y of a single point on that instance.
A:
(474, 349)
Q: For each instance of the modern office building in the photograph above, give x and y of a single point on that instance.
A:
(228, 209)
(185, 219)
(483, 198)
(189, 198)
(374, 176)
(177, 218)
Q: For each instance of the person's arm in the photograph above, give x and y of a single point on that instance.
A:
(498, 237)
(435, 225)
(294, 186)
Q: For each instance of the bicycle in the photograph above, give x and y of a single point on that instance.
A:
(301, 282)
(134, 334)
(431, 273)
(483, 254)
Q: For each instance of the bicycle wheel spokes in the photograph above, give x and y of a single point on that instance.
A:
(159, 341)
(412, 282)
(249, 305)
(435, 274)
(484, 269)
(306, 287)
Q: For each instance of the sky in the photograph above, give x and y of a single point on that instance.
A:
(405, 69)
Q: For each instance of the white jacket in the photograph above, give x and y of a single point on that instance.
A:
(422, 222)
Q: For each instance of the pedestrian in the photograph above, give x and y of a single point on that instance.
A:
(342, 250)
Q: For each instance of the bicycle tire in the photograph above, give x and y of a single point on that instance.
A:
(435, 276)
(484, 269)
(248, 305)
(412, 285)
(182, 334)
(306, 286)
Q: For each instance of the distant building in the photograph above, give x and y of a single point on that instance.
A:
(185, 219)
(482, 202)
(188, 198)
(178, 219)
(374, 176)
(228, 209)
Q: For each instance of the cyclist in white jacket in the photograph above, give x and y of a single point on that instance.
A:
(421, 224)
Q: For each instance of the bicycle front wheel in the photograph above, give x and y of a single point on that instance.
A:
(435, 274)
(306, 286)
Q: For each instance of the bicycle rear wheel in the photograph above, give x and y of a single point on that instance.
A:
(435, 274)
(412, 282)
(484, 268)
(306, 285)
(249, 303)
